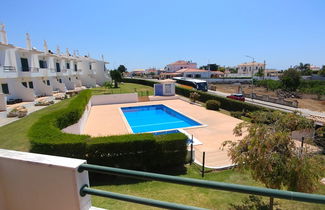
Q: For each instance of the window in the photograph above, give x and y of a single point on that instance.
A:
(5, 88)
(42, 64)
(58, 68)
(24, 64)
(197, 75)
(75, 67)
(25, 84)
(31, 85)
(48, 82)
(69, 79)
(90, 66)
(68, 65)
(60, 80)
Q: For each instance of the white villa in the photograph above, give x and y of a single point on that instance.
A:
(178, 65)
(250, 69)
(27, 73)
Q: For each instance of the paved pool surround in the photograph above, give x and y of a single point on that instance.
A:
(105, 120)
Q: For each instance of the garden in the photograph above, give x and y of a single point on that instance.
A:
(141, 151)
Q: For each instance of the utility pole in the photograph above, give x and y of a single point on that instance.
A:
(252, 74)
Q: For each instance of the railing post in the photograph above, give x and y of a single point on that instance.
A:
(203, 164)
(191, 160)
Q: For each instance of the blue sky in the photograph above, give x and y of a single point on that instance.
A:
(153, 33)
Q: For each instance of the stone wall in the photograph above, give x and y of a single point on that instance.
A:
(275, 100)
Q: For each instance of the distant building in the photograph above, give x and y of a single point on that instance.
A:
(314, 68)
(138, 72)
(193, 73)
(249, 69)
(178, 65)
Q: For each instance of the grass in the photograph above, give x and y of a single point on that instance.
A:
(142, 90)
(14, 136)
(194, 196)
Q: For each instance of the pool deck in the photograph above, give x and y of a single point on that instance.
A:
(106, 120)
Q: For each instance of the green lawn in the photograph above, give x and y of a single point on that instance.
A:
(142, 90)
(14, 136)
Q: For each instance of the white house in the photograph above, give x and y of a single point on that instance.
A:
(173, 67)
(250, 69)
(26, 73)
(199, 73)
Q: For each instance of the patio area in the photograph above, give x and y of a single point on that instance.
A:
(106, 120)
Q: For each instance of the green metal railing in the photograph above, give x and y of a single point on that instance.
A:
(289, 195)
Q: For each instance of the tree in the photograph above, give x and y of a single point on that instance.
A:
(290, 79)
(322, 71)
(122, 69)
(271, 156)
(304, 69)
(211, 67)
(116, 77)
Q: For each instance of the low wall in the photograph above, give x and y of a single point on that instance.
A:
(38, 182)
(228, 80)
(114, 99)
(272, 99)
(3, 102)
(313, 96)
(78, 127)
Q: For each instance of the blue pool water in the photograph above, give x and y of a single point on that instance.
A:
(155, 118)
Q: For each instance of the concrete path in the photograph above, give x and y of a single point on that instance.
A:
(30, 106)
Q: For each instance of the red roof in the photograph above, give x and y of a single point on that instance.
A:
(191, 70)
(181, 63)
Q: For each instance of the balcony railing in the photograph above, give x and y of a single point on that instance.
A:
(289, 195)
(30, 69)
(9, 69)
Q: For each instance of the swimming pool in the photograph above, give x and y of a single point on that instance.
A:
(150, 118)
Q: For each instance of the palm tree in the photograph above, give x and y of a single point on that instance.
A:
(116, 77)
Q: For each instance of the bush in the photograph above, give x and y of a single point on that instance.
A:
(225, 103)
(212, 104)
(133, 151)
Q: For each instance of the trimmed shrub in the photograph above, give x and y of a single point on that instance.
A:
(225, 103)
(133, 151)
(212, 104)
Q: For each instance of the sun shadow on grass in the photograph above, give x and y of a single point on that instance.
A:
(97, 179)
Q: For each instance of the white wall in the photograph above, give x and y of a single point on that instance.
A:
(3, 103)
(18, 91)
(78, 127)
(37, 182)
(57, 86)
(114, 99)
(42, 89)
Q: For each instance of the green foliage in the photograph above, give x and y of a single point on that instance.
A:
(140, 81)
(116, 77)
(122, 69)
(194, 96)
(252, 202)
(136, 151)
(312, 87)
(211, 67)
(212, 104)
(290, 79)
(270, 154)
(225, 103)
(269, 84)
(322, 71)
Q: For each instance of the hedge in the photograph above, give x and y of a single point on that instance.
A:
(212, 104)
(133, 151)
(225, 103)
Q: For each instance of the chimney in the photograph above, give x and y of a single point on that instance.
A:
(74, 54)
(46, 49)
(3, 34)
(28, 42)
(58, 50)
(67, 52)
